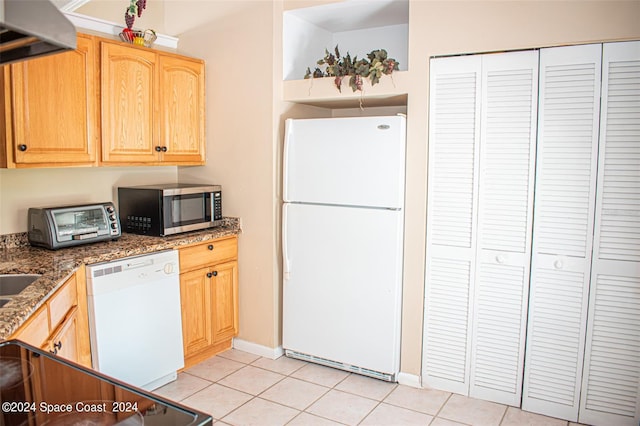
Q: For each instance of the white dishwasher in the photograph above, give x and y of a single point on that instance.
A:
(134, 318)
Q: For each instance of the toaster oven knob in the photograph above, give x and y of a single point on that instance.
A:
(114, 226)
(112, 217)
(110, 209)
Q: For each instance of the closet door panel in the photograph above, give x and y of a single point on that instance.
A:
(563, 228)
(451, 213)
(505, 207)
(611, 383)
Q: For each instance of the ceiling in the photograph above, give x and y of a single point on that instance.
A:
(356, 14)
(69, 5)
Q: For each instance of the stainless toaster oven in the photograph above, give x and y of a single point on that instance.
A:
(66, 226)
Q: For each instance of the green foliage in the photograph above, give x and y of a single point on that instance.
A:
(373, 67)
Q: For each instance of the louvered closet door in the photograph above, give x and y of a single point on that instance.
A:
(563, 228)
(611, 383)
(451, 212)
(505, 206)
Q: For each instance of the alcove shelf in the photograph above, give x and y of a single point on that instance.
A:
(357, 27)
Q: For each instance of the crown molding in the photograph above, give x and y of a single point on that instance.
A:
(111, 28)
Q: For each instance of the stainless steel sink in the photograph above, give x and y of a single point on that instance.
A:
(12, 284)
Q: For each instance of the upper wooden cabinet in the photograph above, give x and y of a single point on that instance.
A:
(181, 109)
(106, 103)
(152, 106)
(54, 104)
(128, 82)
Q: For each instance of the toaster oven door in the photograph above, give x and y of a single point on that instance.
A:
(80, 224)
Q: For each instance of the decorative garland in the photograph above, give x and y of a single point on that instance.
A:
(376, 64)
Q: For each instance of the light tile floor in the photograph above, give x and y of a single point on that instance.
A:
(238, 388)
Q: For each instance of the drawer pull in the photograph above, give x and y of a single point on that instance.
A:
(210, 247)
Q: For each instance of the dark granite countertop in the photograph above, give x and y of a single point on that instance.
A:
(56, 266)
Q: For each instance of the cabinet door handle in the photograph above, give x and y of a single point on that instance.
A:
(56, 347)
(158, 149)
(215, 273)
(209, 274)
(164, 149)
(210, 247)
(22, 147)
(212, 274)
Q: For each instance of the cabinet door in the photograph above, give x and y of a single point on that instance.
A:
(64, 342)
(611, 378)
(128, 82)
(55, 107)
(195, 300)
(181, 110)
(566, 167)
(224, 292)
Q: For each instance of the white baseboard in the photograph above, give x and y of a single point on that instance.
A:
(409, 380)
(254, 348)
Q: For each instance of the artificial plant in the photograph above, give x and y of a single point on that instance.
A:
(373, 67)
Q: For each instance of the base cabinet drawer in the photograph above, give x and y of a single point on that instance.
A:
(208, 253)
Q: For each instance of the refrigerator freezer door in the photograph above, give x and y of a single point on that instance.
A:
(342, 288)
(356, 161)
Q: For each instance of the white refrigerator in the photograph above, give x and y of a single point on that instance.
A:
(343, 224)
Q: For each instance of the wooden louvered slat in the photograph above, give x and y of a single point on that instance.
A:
(453, 171)
(554, 343)
(619, 213)
(567, 139)
(611, 382)
(563, 228)
(496, 363)
(446, 308)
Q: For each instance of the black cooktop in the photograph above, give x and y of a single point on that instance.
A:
(38, 388)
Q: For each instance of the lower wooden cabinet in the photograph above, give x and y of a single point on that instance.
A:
(61, 325)
(209, 298)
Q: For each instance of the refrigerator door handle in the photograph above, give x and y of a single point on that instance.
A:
(285, 252)
(285, 161)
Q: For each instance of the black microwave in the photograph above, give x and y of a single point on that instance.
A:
(168, 209)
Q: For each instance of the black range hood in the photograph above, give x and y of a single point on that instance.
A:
(33, 28)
